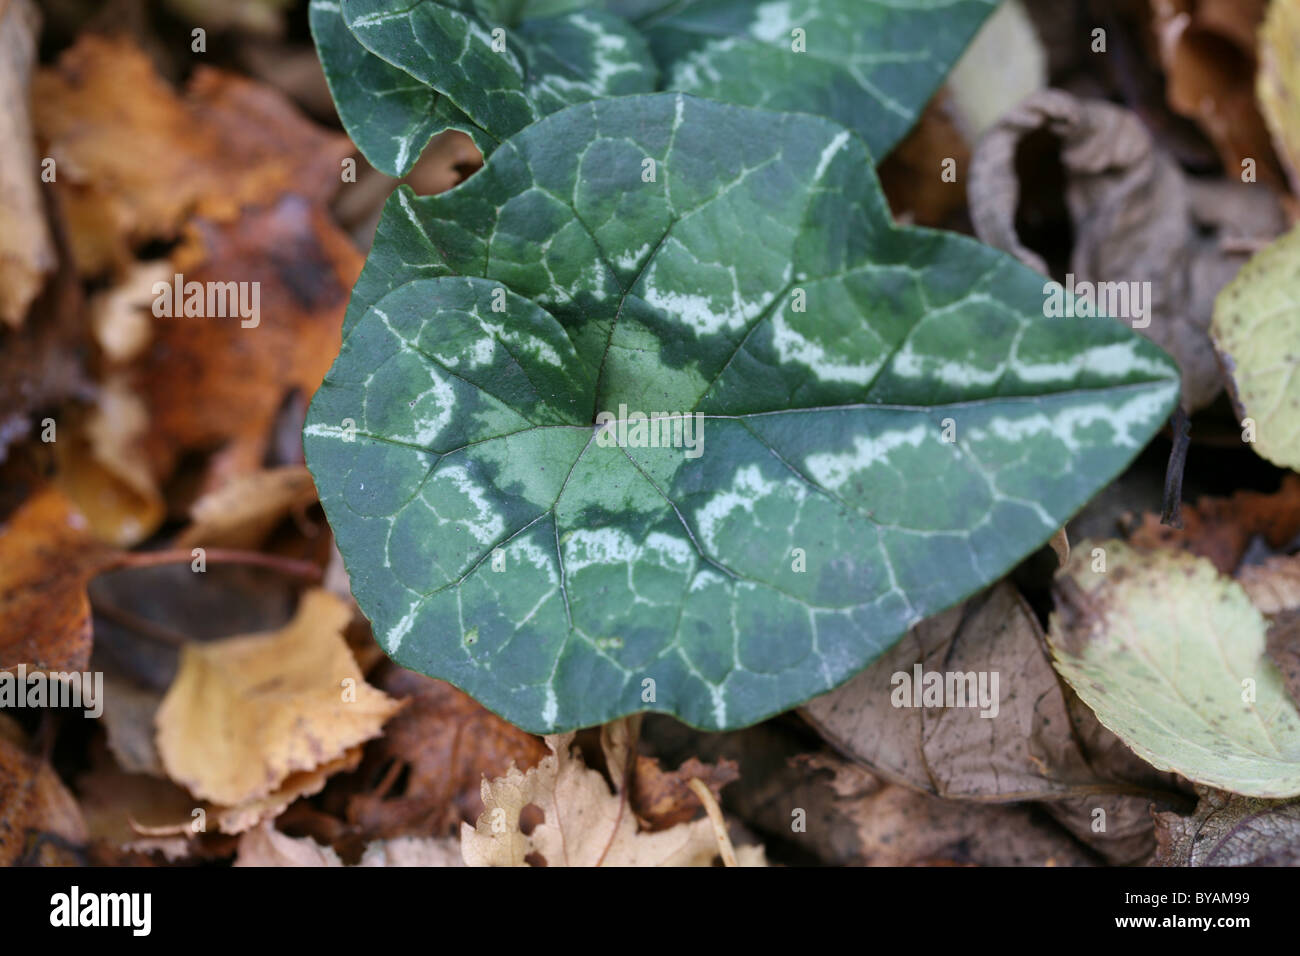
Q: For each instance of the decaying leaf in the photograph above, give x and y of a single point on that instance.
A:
(1208, 51)
(1170, 656)
(33, 801)
(1230, 830)
(47, 556)
(1256, 328)
(138, 812)
(134, 160)
(1220, 529)
(1137, 224)
(267, 846)
(218, 383)
(245, 713)
(583, 824)
(242, 512)
(26, 249)
(443, 743)
(663, 798)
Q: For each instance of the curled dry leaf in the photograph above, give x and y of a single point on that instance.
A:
(245, 713)
(583, 823)
(135, 160)
(26, 249)
(1230, 830)
(33, 801)
(1208, 51)
(1170, 656)
(663, 799)
(1134, 219)
(47, 556)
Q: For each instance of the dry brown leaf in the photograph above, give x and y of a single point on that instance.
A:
(137, 812)
(47, 556)
(912, 174)
(26, 249)
(128, 717)
(210, 383)
(663, 799)
(1220, 529)
(1134, 217)
(1208, 51)
(33, 801)
(102, 466)
(119, 316)
(135, 160)
(583, 824)
(246, 712)
(1230, 830)
(303, 783)
(443, 744)
(241, 513)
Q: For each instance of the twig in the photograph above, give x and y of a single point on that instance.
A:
(715, 817)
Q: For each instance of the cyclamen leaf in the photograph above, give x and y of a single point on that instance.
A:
(871, 65)
(547, 62)
(450, 438)
(389, 114)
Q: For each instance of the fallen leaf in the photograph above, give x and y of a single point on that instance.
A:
(583, 823)
(1277, 84)
(134, 160)
(303, 783)
(33, 801)
(1230, 830)
(1133, 216)
(443, 743)
(241, 513)
(210, 384)
(1220, 529)
(663, 799)
(1025, 749)
(137, 812)
(246, 712)
(1208, 51)
(912, 174)
(47, 556)
(1170, 656)
(26, 249)
(1256, 324)
(890, 825)
(266, 846)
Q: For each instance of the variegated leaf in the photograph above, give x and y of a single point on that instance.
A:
(887, 421)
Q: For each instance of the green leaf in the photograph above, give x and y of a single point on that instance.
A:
(672, 254)
(1170, 656)
(543, 64)
(389, 114)
(1255, 328)
(870, 65)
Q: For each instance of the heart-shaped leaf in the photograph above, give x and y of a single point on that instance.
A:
(389, 114)
(886, 423)
(506, 63)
